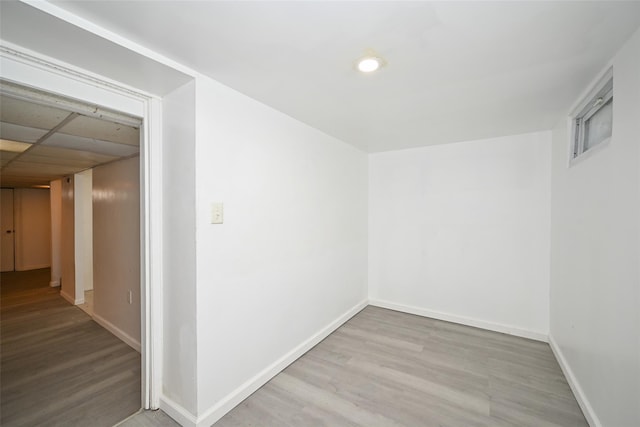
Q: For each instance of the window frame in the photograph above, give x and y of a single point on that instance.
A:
(598, 97)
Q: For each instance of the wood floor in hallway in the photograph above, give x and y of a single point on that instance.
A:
(59, 367)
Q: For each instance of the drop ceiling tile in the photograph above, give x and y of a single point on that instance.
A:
(103, 130)
(19, 168)
(20, 133)
(88, 144)
(5, 156)
(80, 163)
(30, 114)
(66, 154)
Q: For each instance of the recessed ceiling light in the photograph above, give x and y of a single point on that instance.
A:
(368, 65)
(13, 146)
(370, 62)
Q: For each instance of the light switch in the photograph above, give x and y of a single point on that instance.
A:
(216, 213)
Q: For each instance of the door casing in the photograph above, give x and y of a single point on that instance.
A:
(33, 70)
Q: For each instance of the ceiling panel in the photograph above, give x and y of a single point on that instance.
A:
(29, 114)
(20, 133)
(80, 164)
(18, 168)
(66, 154)
(5, 156)
(26, 118)
(103, 130)
(88, 144)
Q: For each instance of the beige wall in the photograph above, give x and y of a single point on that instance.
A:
(33, 228)
(116, 248)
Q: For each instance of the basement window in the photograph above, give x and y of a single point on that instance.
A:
(593, 122)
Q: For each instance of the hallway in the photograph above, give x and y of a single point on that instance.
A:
(59, 367)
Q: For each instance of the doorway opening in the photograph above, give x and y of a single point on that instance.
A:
(89, 156)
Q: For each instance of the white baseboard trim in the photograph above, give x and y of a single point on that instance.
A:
(54, 283)
(217, 411)
(468, 321)
(177, 412)
(586, 407)
(70, 299)
(128, 339)
(31, 267)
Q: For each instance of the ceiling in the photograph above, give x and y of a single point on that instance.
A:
(455, 70)
(45, 137)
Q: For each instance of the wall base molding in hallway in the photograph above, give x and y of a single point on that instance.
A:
(70, 299)
(128, 339)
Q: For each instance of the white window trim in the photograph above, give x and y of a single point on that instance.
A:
(585, 109)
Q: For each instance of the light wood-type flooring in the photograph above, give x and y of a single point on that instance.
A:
(59, 367)
(385, 368)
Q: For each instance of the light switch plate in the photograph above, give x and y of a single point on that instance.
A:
(216, 213)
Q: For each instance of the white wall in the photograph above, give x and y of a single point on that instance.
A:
(67, 243)
(290, 258)
(461, 232)
(595, 257)
(179, 293)
(55, 199)
(33, 228)
(116, 248)
(83, 213)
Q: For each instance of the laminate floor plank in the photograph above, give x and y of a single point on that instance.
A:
(149, 419)
(59, 367)
(386, 368)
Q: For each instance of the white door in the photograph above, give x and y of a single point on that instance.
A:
(6, 220)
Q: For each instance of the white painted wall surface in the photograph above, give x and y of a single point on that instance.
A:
(83, 213)
(595, 258)
(33, 228)
(67, 243)
(290, 258)
(179, 293)
(461, 232)
(55, 199)
(116, 248)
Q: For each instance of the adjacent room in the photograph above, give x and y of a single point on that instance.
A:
(363, 213)
(70, 261)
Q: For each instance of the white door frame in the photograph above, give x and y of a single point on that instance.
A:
(31, 69)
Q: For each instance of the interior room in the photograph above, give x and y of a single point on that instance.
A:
(367, 213)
